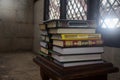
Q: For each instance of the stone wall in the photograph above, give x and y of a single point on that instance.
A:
(16, 25)
(112, 55)
(38, 19)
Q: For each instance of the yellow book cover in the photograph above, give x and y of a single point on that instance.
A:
(77, 36)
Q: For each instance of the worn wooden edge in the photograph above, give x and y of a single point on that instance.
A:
(51, 68)
(73, 68)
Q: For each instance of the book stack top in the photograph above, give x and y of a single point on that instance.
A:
(70, 23)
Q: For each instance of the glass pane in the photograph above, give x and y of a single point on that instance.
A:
(54, 9)
(77, 9)
(110, 13)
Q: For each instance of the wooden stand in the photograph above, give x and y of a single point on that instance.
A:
(49, 69)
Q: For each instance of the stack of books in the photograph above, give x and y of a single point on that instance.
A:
(74, 42)
(44, 42)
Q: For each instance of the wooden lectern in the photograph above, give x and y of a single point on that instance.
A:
(49, 69)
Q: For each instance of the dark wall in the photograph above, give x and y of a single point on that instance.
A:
(16, 25)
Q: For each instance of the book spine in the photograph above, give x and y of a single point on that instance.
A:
(42, 37)
(45, 55)
(62, 23)
(82, 43)
(44, 33)
(80, 36)
(44, 50)
(45, 38)
(51, 24)
(72, 23)
(42, 27)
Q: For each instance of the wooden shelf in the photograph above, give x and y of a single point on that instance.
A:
(86, 72)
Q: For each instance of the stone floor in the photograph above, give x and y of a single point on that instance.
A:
(18, 66)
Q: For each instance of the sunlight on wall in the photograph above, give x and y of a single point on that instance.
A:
(7, 3)
(7, 10)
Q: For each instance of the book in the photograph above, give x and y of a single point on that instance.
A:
(42, 54)
(59, 54)
(44, 50)
(71, 30)
(45, 38)
(45, 55)
(79, 57)
(42, 27)
(76, 36)
(78, 63)
(43, 32)
(44, 44)
(70, 23)
(78, 50)
(76, 43)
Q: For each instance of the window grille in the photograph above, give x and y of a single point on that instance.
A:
(54, 9)
(110, 14)
(76, 9)
(110, 22)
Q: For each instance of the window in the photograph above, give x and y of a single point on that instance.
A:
(76, 9)
(54, 9)
(110, 14)
(107, 10)
(71, 9)
(110, 22)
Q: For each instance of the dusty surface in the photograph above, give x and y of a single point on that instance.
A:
(18, 66)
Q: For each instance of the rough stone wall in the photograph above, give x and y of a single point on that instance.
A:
(38, 19)
(112, 55)
(16, 25)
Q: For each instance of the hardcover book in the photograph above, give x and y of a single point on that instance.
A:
(70, 23)
(44, 50)
(44, 44)
(45, 55)
(42, 27)
(77, 43)
(45, 38)
(78, 63)
(80, 57)
(43, 32)
(47, 45)
(71, 30)
(59, 54)
(78, 50)
(76, 36)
